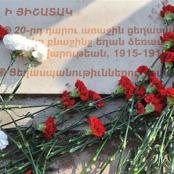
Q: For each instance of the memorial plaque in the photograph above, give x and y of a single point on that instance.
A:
(96, 41)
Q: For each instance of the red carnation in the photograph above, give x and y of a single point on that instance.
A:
(140, 91)
(158, 105)
(83, 91)
(168, 40)
(28, 172)
(151, 74)
(49, 128)
(168, 36)
(66, 100)
(170, 92)
(3, 32)
(142, 69)
(170, 95)
(140, 108)
(79, 85)
(157, 83)
(167, 56)
(162, 93)
(95, 96)
(167, 9)
(84, 95)
(155, 101)
(96, 126)
(127, 86)
(149, 98)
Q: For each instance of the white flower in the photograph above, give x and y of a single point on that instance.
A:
(40, 52)
(3, 140)
(16, 42)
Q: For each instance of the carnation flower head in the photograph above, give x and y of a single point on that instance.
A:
(167, 56)
(40, 52)
(66, 99)
(140, 91)
(170, 95)
(48, 128)
(95, 96)
(82, 90)
(140, 109)
(3, 31)
(142, 69)
(125, 87)
(33, 50)
(154, 86)
(144, 73)
(167, 13)
(154, 103)
(96, 127)
(167, 40)
(80, 85)
(157, 83)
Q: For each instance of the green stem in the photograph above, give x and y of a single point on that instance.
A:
(8, 68)
(95, 157)
(162, 147)
(140, 157)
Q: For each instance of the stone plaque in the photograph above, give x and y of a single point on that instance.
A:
(96, 41)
